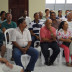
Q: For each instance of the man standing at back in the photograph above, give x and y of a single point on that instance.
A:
(27, 19)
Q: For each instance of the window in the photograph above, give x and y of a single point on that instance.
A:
(60, 1)
(50, 1)
(69, 1)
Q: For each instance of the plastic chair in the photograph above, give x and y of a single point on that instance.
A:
(59, 58)
(8, 43)
(25, 60)
(42, 57)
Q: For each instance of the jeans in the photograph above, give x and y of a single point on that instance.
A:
(33, 40)
(55, 48)
(32, 52)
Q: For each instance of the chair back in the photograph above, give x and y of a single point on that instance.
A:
(8, 35)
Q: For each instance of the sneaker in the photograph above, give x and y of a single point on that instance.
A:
(48, 63)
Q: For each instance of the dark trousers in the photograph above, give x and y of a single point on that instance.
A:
(32, 52)
(44, 48)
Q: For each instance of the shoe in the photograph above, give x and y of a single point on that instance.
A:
(50, 63)
(46, 63)
(68, 64)
(27, 71)
(71, 63)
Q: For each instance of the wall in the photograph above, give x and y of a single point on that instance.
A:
(4, 5)
(36, 6)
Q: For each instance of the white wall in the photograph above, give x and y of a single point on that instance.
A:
(4, 5)
(36, 6)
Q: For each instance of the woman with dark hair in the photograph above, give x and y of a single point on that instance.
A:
(64, 40)
(3, 18)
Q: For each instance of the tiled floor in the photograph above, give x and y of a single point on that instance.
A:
(53, 69)
(57, 67)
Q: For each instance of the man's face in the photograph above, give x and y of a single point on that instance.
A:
(48, 23)
(66, 12)
(23, 24)
(40, 14)
(36, 17)
(9, 17)
(69, 16)
(53, 16)
(25, 13)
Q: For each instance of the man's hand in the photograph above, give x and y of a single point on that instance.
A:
(4, 29)
(37, 37)
(9, 65)
(24, 50)
(50, 40)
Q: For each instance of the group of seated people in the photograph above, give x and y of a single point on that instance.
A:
(52, 31)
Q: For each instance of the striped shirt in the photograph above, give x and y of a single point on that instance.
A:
(35, 27)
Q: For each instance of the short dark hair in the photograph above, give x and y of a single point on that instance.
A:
(35, 14)
(2, 12)
(20, 21)
(46, 10)
(66, 11)
(8, 13)
(52, 13)
(59, 10)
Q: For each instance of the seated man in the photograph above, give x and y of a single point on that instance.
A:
(9, 23)
(7, 67)
(35, 28)
(48, 40)
(55, 22)
(6, 25)
(21, 40)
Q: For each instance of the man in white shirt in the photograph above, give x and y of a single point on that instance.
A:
(21, 40)
(27, 19)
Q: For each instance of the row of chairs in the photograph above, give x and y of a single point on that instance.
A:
(25, 58)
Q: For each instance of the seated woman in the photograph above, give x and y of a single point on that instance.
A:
(7, 67)
(64, 39)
